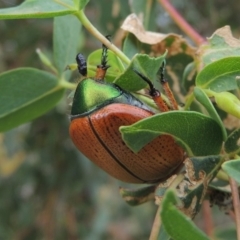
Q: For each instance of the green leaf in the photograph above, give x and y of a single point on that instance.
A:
(131, 46)
(189, 75)
(197, 133)
(116, 65)
(25, 94)
(232, 168)
(220, 75)
(65, 41)
(232, 145)
(228, 103)
(204, 100)
(177, 225)
(39, 9)
(146, 65)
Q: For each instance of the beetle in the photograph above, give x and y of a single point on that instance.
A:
(99, 109)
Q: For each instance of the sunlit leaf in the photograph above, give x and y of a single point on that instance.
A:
(39, 9)
(197, 133)
(232, 168)
(220, 75)
(144, 64)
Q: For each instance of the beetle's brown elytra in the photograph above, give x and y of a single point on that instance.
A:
(99, 109)
(97, 136)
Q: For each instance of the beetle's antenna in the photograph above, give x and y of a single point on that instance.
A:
(154, 93)
(166, 87)
(82, 64)
(102, 68)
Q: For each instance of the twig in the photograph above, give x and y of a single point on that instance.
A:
(207, 217)
(181, 22)
(156, 225)
(236, 204)
(87, 24)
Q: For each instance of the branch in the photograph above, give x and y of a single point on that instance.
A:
(236, 204)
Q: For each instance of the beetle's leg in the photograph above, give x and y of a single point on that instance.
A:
(154, 93)
(166, 88)
(82, 64)
(102, 68)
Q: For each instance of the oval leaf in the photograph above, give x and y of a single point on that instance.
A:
(197, 133)
(232, 145)
(177, 225)
(38, 9)
(220, 75)
(25, 94)
(232, 168)
(204, 100)
(65, 43)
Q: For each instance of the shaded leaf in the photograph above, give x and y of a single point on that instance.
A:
(131, 46)
(197, 133)
(232, 145)
(25, 94)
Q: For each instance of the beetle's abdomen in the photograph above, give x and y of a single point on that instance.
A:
(97, 136)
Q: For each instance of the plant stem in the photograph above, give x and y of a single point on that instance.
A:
(156, 225)
(181, 22)
(207, 217)
(87, 24)
(236, 204)
(189, 100)
(67, 85)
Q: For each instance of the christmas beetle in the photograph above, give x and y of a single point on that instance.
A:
(100, 108)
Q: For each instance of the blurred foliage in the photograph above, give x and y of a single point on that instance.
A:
(48, 189)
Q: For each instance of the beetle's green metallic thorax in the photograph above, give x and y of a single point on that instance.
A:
(92, 95)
